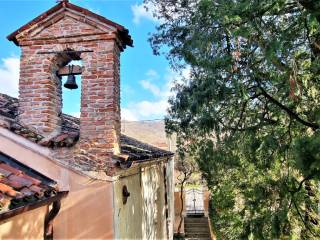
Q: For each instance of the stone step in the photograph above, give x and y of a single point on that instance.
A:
(201, 224)
(198, 235)
(201, 219)
(197, 238)
(197, 223)
(197, 230)
(191, 225)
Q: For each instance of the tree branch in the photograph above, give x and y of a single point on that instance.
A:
(309, 177)
(302, 219)
(291, 113)
(312, 7)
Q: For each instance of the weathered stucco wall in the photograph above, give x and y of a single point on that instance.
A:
(29, 225)
(87, 212)
(153, 195)
(144, 215)
(128, 216)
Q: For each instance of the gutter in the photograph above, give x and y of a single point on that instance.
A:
(136, 166)
(28, 207)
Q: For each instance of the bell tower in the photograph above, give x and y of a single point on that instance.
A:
(48, 43)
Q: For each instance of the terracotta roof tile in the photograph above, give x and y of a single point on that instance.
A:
(27, 192)
(4, 172)
(8, 190)
(33, 180)
(36, 189)
(10, 169)
(21, 180)
(131, 149)
(20, 185)
(12, 183)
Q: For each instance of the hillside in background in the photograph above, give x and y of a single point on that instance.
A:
(151, 132)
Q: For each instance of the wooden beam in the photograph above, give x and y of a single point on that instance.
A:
(65, 71)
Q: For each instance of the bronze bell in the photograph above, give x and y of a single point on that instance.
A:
(71, 81)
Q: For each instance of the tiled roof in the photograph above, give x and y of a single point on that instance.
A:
(131, 149)
(21, 186)
(137, 150)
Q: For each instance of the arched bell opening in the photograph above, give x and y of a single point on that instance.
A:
(69, 70)
(71, 88)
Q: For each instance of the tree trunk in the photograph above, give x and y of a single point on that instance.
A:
(182, 206)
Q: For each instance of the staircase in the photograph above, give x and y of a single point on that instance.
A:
(197, 228)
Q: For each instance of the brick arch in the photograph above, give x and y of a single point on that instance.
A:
(40, 89)
(59, 61)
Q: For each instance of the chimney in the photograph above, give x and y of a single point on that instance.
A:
(48, 43)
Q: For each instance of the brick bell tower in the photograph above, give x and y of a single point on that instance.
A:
(48, 43)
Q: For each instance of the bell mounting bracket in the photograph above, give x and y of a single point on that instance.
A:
(66, 71)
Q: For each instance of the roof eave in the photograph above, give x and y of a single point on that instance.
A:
(14, 212)
(12, 36)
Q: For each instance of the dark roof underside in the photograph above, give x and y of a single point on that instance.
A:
(134, 149)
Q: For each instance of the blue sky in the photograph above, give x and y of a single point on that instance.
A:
(145, 79)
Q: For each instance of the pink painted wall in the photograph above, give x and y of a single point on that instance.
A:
(87, 212)
(28, 225)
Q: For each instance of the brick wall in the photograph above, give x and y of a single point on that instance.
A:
(100, 104)
(41, 90)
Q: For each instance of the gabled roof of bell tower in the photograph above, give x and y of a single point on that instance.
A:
(49, 16)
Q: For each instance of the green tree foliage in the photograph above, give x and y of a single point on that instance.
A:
(250, 112)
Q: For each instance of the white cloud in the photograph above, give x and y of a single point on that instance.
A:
(75, 114)
(143, 10)
(151, 12)
(127, 114)
(153, 74)
(155, 90)
(157, 108)
(150, 108)
(145, 110)
(9, 76)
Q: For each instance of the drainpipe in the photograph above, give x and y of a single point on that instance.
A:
(48, 222)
